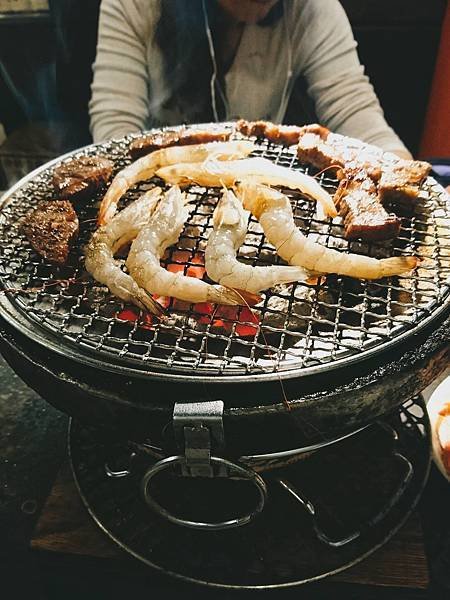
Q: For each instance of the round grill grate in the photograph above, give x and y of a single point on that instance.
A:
(295, 330)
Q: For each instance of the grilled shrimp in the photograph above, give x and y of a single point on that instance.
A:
(230, 227)
(274, 212)
(163, 230)
(214, 174)
(145, 167)
(107, 240)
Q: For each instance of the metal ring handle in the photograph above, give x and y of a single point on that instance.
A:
(215, 460)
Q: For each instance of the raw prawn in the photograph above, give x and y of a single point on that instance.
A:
(107, 240)
(230, 227)
(214, 174)
(145, 167)
(162, 231)
(274, 212)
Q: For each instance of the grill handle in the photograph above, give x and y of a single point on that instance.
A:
(401, 488)
(198, 428)
(231, 467)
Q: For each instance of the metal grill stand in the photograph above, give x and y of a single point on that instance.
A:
(321, 517)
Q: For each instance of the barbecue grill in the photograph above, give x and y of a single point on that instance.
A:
(224, 392)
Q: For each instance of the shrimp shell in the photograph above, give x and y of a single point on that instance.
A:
(162, 231)
(214, 174)
(230, 227)
(145, 167)
(99, 252)
(274, 212)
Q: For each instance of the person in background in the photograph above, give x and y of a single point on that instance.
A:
(167, 62)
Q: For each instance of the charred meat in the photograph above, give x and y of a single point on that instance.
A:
(51, 229)
(358, 202)
(81, 177)
(288, 135)
(401, 182)
(398, 180)
(186, 137)
(368, 180)
(319, 147)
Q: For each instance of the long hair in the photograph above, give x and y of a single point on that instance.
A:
(181, 36)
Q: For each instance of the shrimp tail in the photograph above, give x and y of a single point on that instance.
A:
(146, 302)
(108, 205)
(397, 265)
(219, 294)
(245, 298)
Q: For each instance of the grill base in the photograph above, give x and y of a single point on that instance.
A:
(358, 487)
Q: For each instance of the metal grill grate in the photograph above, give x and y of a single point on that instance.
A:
(295, 329)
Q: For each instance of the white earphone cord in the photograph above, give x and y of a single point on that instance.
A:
(213, 83)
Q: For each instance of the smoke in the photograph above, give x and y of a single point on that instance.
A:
(43, 91)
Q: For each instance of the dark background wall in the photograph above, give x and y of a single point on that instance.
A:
(45, 64)
(398, 41)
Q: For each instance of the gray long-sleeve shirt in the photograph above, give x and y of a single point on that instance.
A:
(313, 39)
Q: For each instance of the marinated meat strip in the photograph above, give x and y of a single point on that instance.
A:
(287, 135)
(357, 166)
(364, 216)
(81, 177)
(186, 137)
(398, 179)
(325, 150)
(51, 229)
(368, 180)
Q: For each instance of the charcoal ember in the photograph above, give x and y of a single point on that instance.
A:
(51, 229)
(79, 178)
(282, 313)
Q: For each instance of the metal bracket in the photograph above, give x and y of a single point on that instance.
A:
(198, 428)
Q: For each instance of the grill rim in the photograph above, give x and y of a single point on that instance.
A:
(19, 322)
(124, 365)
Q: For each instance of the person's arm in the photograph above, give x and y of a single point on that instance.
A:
(344, 99)
(119, 102)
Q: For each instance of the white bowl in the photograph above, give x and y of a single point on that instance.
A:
(440, 425)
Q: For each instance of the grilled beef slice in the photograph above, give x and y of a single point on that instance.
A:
(401, 182)
(186, 137)
(51, 228)
(364, 216)
(367, 178)
(325, 150)
(288, 135)
(80, 178)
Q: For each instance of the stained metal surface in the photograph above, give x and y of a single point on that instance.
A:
(349, 486)
(298, 330)
(256, 420)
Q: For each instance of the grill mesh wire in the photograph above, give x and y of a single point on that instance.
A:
(295, 327)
